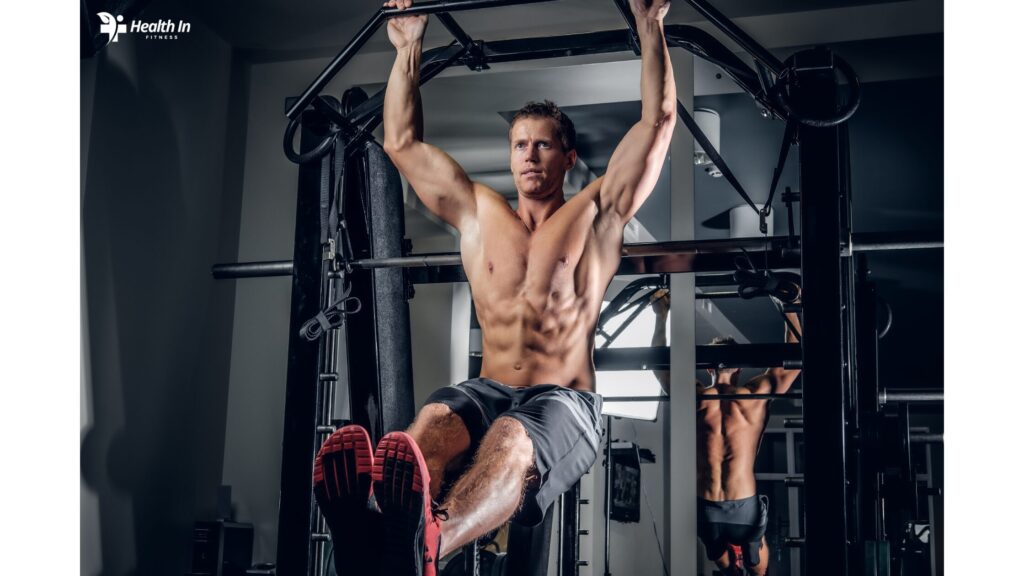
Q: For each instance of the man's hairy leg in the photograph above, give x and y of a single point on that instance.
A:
(490, 492)
(725, 562)
(762, 568)
(442, 438)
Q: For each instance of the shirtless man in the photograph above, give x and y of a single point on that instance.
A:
(731, 517)
(531, 423)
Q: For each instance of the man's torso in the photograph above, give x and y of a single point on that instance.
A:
(538, 294)
(728, 436)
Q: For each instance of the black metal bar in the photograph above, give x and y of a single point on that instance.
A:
(682, 256)
(336, 65)
(299, 441)
(788, 395)
(824, 409)
(704, 45)
(763, 76)
(455, 30)
(889, 246)
(926, 438)
(608, 498)
(369, 113)
(671, 248)
(477, 55)
(715, 295)
(570, 532)
(520, 49)
(473, 51)
(721, 22)
(749, 356)
(375, 22)
(869, 512)
(252, 269)
(453, 6)
(885, 242)
(893, 396)
(708, 356)
(707, 397)
(627, 15)
(608, 399)
(705, 280)
(793, 423)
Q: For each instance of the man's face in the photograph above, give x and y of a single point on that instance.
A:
(538, 162)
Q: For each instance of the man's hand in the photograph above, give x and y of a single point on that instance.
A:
(660, 302)
(405, 30)
(649, 9)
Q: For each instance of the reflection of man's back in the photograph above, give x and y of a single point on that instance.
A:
(728, 432)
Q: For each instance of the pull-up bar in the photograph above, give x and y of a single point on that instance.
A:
(760, 85)
(438, 6)
(687, 37)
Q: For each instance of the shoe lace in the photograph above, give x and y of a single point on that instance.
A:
(437, 511)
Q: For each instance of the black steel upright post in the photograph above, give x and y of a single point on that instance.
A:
(823, 342)
(609, 477)
(872, 553)
(570, 532)
(299, 443)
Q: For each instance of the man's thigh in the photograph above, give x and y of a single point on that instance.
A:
(565, 428)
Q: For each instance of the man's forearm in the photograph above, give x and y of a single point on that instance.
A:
(403, 111)
(657, 83)
(794, 321)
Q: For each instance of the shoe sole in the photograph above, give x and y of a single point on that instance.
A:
(342, 482)
(401, 484)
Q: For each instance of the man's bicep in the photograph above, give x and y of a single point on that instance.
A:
(438, 180)
(782, 379)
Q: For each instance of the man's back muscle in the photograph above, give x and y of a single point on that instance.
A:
(729, 433)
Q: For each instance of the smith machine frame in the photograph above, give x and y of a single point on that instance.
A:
(356, 274)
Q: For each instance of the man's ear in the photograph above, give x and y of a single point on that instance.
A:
(570, 159)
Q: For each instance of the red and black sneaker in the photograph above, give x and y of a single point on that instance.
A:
(341, 484)
(412, 526)
(736, 560)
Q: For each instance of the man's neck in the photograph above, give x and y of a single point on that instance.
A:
(534, 212)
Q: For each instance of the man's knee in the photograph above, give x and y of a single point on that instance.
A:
(439, 430)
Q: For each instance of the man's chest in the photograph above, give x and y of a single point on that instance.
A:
(507, 258)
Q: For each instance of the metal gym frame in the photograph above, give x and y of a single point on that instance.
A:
(366, 257)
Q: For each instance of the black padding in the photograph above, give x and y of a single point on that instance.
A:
(528, 548)
(391, 308)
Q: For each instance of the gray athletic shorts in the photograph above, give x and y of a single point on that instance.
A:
(564, 425)
(738, 522)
